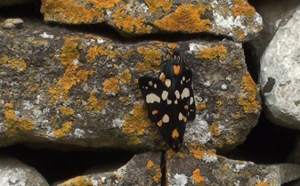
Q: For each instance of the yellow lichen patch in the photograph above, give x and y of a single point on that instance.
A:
(262, 184)
(111, 86)
(169, 153)
(201, 106)
(150, 164)
(78, 181)
(134, 141)
(214, 130)
(237, 64)
(125, 77)
(137, 122)
(95, 103)
(15, 63)
(224, 168)
(243, 7)
(67, 11)
(211, 53)
(130, 24)
(152, 59)
(69, 58)
(219, 103)
(13, 124)
(153, 5)
(66, 110)
(125, 100)
(64, 130)
(197, 151)
(198, 177)
(104, 4)
(237, 115)
(186, 18)
(249, 98)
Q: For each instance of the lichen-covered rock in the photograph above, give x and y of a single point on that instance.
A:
(15, 173)
(13, 2)
(206, 168)
(197, 167)
(280, 75)
(142, 169)
(236, 19)
(81, 89)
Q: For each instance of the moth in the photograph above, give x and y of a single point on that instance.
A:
(170, 100)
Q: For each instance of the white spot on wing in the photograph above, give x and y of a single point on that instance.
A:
(177, 94)
(164, 95)
(180, 116)
(166, 118)
(169, 102)
(168, 82)
(185, 93)
(191, 100)
(151, 98)
(150, 83)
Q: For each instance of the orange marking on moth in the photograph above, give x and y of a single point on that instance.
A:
(176, 69)
(162, 77)
(154, 112)
(175, 133)
(159, 123)
(184, 119)
(186, 107)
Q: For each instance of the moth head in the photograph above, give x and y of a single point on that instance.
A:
(175, 144)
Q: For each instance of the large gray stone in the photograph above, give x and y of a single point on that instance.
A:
(280, 75)
(15, 173)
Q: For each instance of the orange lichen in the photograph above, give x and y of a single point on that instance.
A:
(169, 153)
(186, 18)
(214, 130)
(78, 181)
(248, 99)
(134, 141)
(13, 124)
(198, 177)
(243, 7)
(150, 164)
(15, 63)
(130, 24)
(201, 106)
(72, 76)
(197, 151)
(153, 5)
(137, 122)
(67, 11)
(237, 115)
(224, 168)
(211, 53)
(64, 130)
(104, 4)
(66, 110)
(95, 103)
(125, 100)
(262, 184)
(125, 77)
(152, 59)
(237, 64)
(219, 103)
(111, 86)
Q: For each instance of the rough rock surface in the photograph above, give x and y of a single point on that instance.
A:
(15, 173)
(198, 167)
(274, 13)
(236, 19)
(280, 75)
(74, 88)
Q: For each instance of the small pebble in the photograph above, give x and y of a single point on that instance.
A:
(13, 23)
